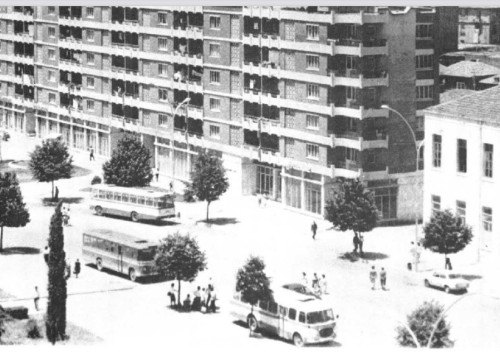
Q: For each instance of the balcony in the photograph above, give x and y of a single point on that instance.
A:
(357, 47)
(361, 17)
(261, 12)
(347, 139)
(358, 79)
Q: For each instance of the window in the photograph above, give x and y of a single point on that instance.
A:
(436, 150)
(460, 85)
(90, 59)
(424, 61)
(163, 70)
(425, 92)
(163, 119)
(371, 158)
(424, 31)
(461, 211)
(312, 32)
(162, 44)
(292, 313)
(350, 62)
(488, 160)
(386, 200)
(52, 54)
(52, 98)
(90, 12)
(90, 82)
(313, 91)
(52, 76)
(214, 104)
(90, 105)
(273, 307)
(163, 94)
(312, 122)
(215, 131)
(51, 10)
(215, 77)
(52, 32)
(302, 317)
(215, 22)
(90, 35)
(162, 18)
(214, 50)
(312, 151)
(462, 155)
(487, 219)
(436, 204)
(351, 93)
(351, 154)
(312, 62)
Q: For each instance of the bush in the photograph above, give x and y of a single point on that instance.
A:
(96, 180)
(189, 194)
(33, 330)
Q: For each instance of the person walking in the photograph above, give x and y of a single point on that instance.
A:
(314, 228)
(36, 298)
(157, 174)
(171, 294)
(213, 299)
(78, 268)
(373, 277)
(92, 157)
(305, 280)
(383, 278)
(46, 252)
(355, 241)
(196, 306)
(323, 285)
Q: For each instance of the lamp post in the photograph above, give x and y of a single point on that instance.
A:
(174, 113)
(417, 150)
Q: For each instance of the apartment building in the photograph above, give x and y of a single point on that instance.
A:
(290, 98)
(479, 25)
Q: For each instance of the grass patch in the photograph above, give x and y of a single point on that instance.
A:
(24, 174)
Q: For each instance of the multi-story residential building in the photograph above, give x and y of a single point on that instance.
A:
(461, 156)
(291, 99)
(479, 25)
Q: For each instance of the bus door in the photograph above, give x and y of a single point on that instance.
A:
(281, 321)
(120, 259)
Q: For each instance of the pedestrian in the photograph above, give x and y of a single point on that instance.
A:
(213, 299)
(259, 200)
(171, 186)
(383, 278)
(68, 217)
(46, 252)
(447, 264)
(355, 241)
(324, 284)
(203, 302)
(77, 268)
(209, 296)
(196, 306)
(157, 174)
(373, 277)
(186, 304)
(91, 154)
(171, 294)
(56, 196)
(36, 298)
(314, 228)
(360, 243)
(315, 281)
(412, 255)
(305, 281)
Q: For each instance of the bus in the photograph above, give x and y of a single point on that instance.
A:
(120, 252)
(134, 203)
(301, 318)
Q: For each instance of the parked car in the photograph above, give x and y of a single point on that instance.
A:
(446, 280)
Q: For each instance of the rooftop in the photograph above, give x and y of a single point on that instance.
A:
(469, 69)
(454, 94)
(481, 106)
(495, 79)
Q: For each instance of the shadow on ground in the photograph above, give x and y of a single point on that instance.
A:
(20, 251)
(143, 280)
(67, 200)
(219, 221)
(471, 277)
(367, 256)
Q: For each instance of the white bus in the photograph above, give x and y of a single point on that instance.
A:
(302, 318)
(134, 203)
(119, 252)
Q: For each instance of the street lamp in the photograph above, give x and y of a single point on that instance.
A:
(174, 113)
(417, 150)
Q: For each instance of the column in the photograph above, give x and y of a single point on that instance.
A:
(323, 196)
(283, 186)
(302, 192)
(275, 183)
(71, 139)
(156, 152)
(85, 141)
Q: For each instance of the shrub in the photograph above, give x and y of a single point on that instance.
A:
(96, 180)
(33, 330)
(189, 194)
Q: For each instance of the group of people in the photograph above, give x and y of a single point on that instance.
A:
(318, 285)
(204, 299)
(67, 267)
(357, 241)
(382, 276)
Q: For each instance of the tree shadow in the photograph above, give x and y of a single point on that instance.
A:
(20, 250)
(219, 221)
(471, 277)
(160, 222)
(154, 279)
(367, 256)
(67, 200)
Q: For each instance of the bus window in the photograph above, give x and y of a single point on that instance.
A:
(95, 193)
(146, 254)
(102, 194)
(302, 317)
(125, 197)
(263, 305)
(170, 202)
(282, 310)
(319, 316)
(133, 199)
(161, 202)
(149, 201)
(118, 196)
(273, 307)
(140, 200)
(109, 195)
(292, 313)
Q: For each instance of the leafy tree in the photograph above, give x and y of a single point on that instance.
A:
(13, 212)
(446, 234)
(51, 162)
(352, 207)
(179, 257)
(253, 283)
(55, 321)
(209, 178)
(129, 165)
(422, 322)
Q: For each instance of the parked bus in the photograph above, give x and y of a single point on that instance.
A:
(135, 203)
(302, 318)
(119, 252)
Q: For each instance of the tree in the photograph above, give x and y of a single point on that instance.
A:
(51, 162)
(209, 178)
(55, 321)
(352, 207)
(446, 234)
(179, 257)
(422, 322)
(129, 165)
(254, 285)
(13, 212)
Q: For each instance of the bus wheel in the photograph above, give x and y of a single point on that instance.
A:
(134, 216)
(297, 340)
(98, 210)
(132, 276)
(252, 323)
(98, 264)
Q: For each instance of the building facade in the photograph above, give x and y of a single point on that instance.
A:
(479, 25)
(461, 155)
(290, 98)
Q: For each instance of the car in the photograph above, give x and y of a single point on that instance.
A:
(447, 280)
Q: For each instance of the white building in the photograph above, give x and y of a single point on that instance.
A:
(462, 171)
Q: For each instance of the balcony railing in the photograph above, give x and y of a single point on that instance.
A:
(348, 165)
(358, 42)
(347, 135)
